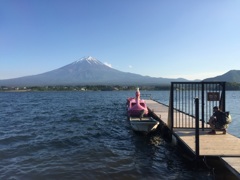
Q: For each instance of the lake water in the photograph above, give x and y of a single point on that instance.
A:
(86, 135)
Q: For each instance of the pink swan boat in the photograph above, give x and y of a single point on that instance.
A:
(136, 106)
(138, 115)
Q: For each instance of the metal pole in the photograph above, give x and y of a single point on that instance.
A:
(203, 104)
(224, 96)
(197, 127)
(171, 106)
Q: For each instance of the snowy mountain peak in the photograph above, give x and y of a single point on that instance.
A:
(89, 59)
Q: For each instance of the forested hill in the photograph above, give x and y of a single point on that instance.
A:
(232, 76)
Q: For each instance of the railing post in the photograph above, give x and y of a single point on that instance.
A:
(202, 107)
(197, 127)
(171, 106)
(223, 94)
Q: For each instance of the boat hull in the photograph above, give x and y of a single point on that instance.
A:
(144, 125)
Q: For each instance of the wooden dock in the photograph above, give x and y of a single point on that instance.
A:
(225, 146)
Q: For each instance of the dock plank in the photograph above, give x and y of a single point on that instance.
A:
(210, 145)
(161, 111)
(221, 145)
(234, 163)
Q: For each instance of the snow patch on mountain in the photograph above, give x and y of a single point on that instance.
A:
(88, 59)
(107, 64)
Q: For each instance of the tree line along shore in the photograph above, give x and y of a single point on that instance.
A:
(229, 86)
(81, 88)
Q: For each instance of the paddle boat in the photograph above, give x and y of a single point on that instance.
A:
(136, 106)
(144, 125)
(138, 115)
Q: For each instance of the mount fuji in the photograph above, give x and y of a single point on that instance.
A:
(86, 71)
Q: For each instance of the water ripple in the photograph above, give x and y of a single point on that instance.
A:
(79, 135)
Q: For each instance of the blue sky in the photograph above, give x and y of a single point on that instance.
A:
(193, 39)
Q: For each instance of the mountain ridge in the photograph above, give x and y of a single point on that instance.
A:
(230, 76)
(86, 71)
(90, 71)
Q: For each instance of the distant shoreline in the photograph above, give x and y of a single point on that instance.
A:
(229, 87)
(81, 88)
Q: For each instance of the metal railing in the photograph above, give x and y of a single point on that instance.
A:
(182, 102)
